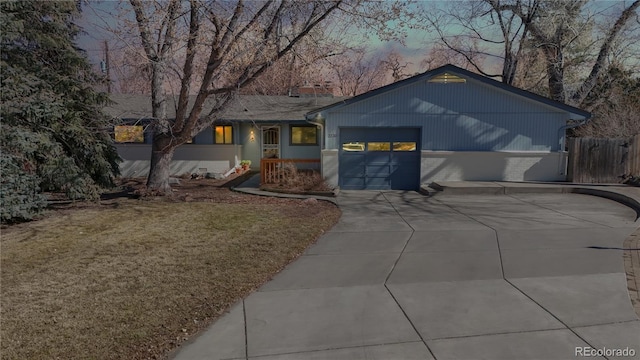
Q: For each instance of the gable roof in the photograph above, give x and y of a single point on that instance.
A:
(244, 107)
(578, 114)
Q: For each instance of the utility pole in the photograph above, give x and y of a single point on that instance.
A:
(105, 66)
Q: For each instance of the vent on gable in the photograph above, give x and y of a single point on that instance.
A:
(446, 78)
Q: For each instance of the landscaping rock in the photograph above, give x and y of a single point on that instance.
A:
(174, 181)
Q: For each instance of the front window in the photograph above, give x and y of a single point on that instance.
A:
(224, 134)
(304, 135)
(129, 134)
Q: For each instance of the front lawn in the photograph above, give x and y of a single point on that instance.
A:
(134, 279)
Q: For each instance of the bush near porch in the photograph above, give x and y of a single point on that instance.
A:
(292, 175)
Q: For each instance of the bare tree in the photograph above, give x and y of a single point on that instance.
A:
(489, 34)
(395, 63)
(129, 74)
(567, 36)
(441, 54)
(304, 64)
(557, 25)
(615, 101)
(219, 48)
(354, 73)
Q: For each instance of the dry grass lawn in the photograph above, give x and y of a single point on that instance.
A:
(135, 278)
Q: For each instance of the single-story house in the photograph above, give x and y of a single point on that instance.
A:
(252, 128)
(447, 124)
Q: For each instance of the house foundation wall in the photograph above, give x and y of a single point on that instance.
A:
(186, 159)
(474, 166)
(492, 166)
(330, 166)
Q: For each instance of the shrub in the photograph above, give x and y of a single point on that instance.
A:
(292, 178)
(54, 134)
(20, 197)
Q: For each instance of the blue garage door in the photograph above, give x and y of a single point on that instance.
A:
(379, 158)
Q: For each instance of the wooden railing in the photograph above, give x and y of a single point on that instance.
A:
(272, 171)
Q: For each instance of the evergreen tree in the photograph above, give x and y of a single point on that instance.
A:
(53, 134)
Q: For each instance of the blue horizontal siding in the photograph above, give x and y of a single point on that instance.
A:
(467, 132)
(424, 97)
(457, 117)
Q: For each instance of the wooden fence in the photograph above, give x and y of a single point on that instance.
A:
(272, 171)
(603, 160)
(634, 157)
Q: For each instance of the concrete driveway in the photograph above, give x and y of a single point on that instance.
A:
(402, 276)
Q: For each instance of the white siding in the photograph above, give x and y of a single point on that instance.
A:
(492, 166)
(187, 159)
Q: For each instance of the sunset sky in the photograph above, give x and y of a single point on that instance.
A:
(97, 16)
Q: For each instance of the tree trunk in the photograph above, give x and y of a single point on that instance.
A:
(509, 68)
(160, 168)
(161, 150)
(555, 73)
(556, 83)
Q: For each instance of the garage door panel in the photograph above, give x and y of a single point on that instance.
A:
(353, 160)
(390, 160)
(352, 183)
(380, 183)
(353, 165)
(357, 173)
(383, 157)
(380, 134)
(378, 170)
(402, 178)
(406, 158)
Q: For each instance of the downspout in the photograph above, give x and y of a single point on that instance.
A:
(236, 142)
(563, 133)
(317, 123)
